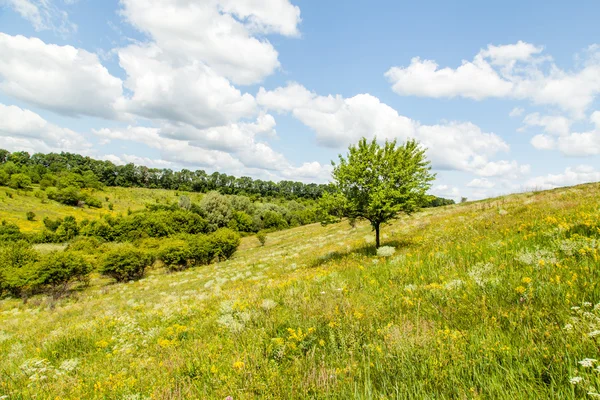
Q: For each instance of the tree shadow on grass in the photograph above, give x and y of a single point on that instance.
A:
(367, 250)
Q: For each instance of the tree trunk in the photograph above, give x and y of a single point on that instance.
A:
(376, 235)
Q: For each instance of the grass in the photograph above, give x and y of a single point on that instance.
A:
(14, 204)
(479, 300)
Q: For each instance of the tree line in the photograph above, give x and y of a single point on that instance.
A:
(18, 169)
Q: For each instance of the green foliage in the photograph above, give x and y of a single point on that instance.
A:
(262, 237)
(175, 257)
(57, 271)
(68, 229)
(9, 232)
(20, 181)
(126, 263)
(16, 261)
(217, 210)
(4, 177)
(225, 242)
(93, 202)
(30, 216)
(241, 222)
(185, 202)
(377, 183)
(69, 195)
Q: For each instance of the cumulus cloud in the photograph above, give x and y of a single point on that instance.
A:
(339, 121)
(571, 176)
(516, 71)
(22, 129)
(191, 93)
(559, 136)
(218, 33)
(43, 15)
(516, 112)
(62, 79)
(481, 183)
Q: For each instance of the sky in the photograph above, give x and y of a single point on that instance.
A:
(504, 95)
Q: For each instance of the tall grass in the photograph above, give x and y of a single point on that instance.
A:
(476, 302)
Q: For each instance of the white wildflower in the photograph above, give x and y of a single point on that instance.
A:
(568, 327)
(410, 288)
(386, 251)
(268, 304)
(455, 284)
(594, 395)
(69, 365)
(594, 333)
(575, 380)
(587, 362)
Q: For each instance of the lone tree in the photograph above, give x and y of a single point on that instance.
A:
(377, 183)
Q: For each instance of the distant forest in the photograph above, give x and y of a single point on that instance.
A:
(47, 169)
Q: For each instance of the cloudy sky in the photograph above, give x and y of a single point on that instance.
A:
(504, 95)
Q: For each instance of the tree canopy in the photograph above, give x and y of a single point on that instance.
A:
(376, 183)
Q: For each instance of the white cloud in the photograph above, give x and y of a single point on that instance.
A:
(476, 80)
(445, 191)
(573, 144)
(516, 112)
(511, 71)
(43, 15)
(218, 33)
(571, 176)
(62, 79)
(339, 121)
(25, 130)
(543, 142)
(191, 93)
(554, 125)
(481, 183)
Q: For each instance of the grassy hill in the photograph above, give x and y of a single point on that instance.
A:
(493, 299)
(14, 204)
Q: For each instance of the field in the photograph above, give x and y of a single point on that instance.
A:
(14, 204)
(493, 299)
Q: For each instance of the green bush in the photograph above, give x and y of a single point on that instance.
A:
(9, 232)
(4, 177)
(126, 263)
(69, 195)
(262, 237)
(68, 229)
(93, 202)
(84, 244)
(30, 216)
(202, 250)
(16, 261)
(57, 271)
(225, 242)
(175, 257)
(20, 181)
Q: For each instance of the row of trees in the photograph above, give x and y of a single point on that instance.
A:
(47, 169)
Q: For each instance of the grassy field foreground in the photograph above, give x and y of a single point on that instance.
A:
(494, 299)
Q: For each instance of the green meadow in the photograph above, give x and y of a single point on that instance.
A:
(496, 299)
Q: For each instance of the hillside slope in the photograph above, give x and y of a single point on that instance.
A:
(476, 302)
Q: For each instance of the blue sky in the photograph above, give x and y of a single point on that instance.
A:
(504, 95)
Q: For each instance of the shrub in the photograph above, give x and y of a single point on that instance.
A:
(126, 263)
(57, 271)
(16, 260)
(4, 178)
(262, 237)
(52, 225)
(68, 229)
(69, 195)
(175, 257)
(85, 244)
(9, 232)
(93, 202)
(225, 242)
(202, 250)
(110, 206)
(20, 181)
(30, 216)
